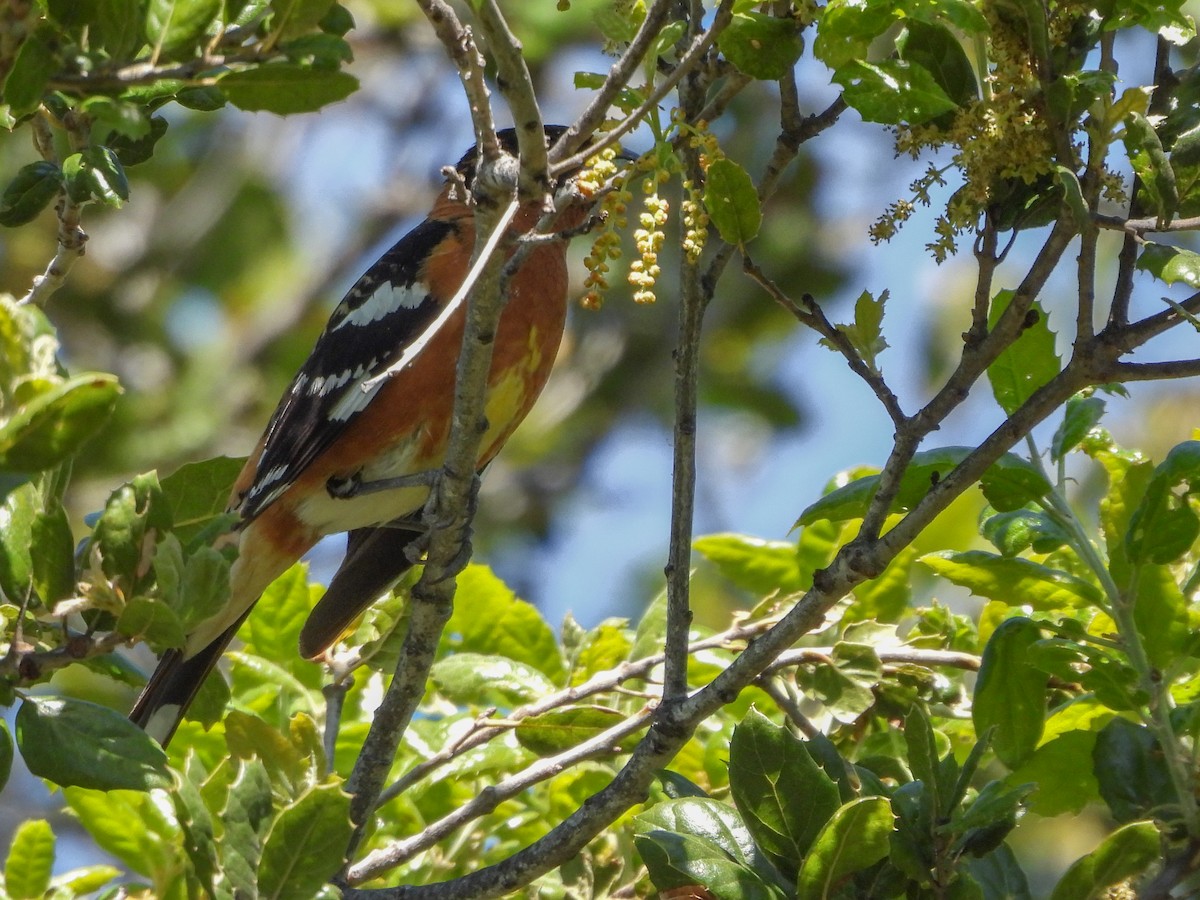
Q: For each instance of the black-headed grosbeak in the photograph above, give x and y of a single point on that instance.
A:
(336, 427)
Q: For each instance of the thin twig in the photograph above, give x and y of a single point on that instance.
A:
(616, 81)
(811, 315)
(693, 56)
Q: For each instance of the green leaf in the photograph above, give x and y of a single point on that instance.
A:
(892, 92)
(286, 88)
(1009, 483)
(1161, 614)
(1064, 786)
(866, 334)
(472, 678)
(784, 797)
(198, 829)
(1073, 197)
(205, 588)
(292, 18)
(855, 838)
(119, 27)
(1150, 162)
(30, 191)
(757, 565)
(935, 49)
(1163, 526)
(1014, 581)
(138, 828)
(760, 45)
(72, 742)
(1027, 363)
(920, 742)
(30, 861)
(696, 840)
(35, 64)
(561, 729)
(306, 845)
(1023, 529)
(848, 27)
(1082, 414)
(178, 25)
(290, 768)
(6, 754)
(151, 621)
(999, 874)
(1010, 694)
(732, 201)
(133, 511)
(1170, 264)
(1127, 852)
(106, 175)
(17, 515)
(53, 566)
(56, 422)
(197, 495)
(84, 880)
(1130, 771)
(247, 816)
(490, 619)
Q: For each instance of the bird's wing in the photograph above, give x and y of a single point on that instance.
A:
(388, 310)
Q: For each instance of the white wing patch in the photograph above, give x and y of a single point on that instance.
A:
(383, 301)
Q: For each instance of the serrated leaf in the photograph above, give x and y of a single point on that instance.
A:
(760, 45)
(472, 678)
(56, 422)
(855, 838)
(292, 18)
(17, 515)
(561, 729)
(1163, 526)
(247, 816)
(697, 840)
(1014, 581)
(53, 566)
(1027, 363)
(6, 754)
(177, 25)
(892, 91)
(30, 191)
(1009, 483)
(306, 845)
(732, 201)
(205, 587)
(1127, 852)
(760, 566)
(26, 83)
(1131, 773)
(1082, 414)
(138, 828)
(1010, 694)
(490, 619)
(197, 495)
(1150, 162)
(286, 88)
(151, 621)
(1171, 265)
(866, 334)
(1023, 529)
(73, 742)
(30, 861)
(784, 797)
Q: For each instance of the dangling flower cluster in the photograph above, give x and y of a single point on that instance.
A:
(644, 272)
(695, 215)
(607, 245)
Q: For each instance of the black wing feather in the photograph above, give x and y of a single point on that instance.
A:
(302, 427)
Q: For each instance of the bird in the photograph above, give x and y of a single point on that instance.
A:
(366, 420)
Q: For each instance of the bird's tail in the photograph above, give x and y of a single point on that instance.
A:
(375, 559)
(174, 685)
